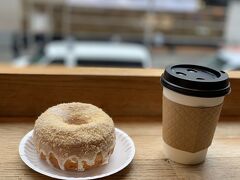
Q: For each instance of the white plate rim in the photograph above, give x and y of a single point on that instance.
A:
(35, 168)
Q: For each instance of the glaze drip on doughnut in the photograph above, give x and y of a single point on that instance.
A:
(74, 136)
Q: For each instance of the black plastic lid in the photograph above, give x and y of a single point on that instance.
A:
(194, 80)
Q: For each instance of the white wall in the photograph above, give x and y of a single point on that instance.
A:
(10, 15)
(232, 30)
(10, 22)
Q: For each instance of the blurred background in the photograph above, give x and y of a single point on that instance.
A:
(120, 33)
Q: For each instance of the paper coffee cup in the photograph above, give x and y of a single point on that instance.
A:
(192, 102)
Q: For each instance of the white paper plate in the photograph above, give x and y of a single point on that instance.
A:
(123, 154)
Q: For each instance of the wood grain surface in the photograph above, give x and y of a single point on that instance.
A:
(223, 160)
(133, 97)
(121, 92)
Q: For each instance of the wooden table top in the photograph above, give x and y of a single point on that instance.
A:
(133, 97)
(223, 159)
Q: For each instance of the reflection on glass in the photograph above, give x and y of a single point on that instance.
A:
(121, 33)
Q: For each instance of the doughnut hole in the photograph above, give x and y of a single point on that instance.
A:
(98, 162)
(76, 120)
(71, 164)
(53, 160)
